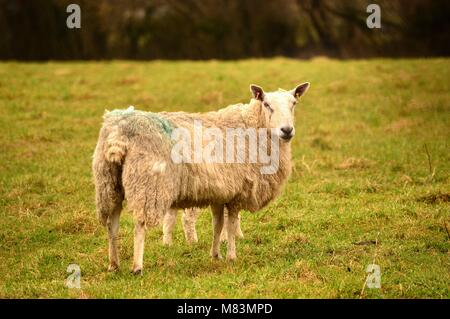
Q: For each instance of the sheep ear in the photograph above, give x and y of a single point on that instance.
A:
(300, 90)
(257, 91)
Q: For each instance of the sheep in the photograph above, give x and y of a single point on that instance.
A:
(189, 220)
(134, 160)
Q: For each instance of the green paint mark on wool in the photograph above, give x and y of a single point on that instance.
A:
(165, 125)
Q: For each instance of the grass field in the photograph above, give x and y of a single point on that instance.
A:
(371, 181)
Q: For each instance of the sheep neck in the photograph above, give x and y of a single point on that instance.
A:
(254, 117)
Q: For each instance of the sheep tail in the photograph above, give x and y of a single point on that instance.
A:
(107, 170)
(116, 147)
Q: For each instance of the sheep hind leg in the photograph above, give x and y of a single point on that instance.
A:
(217, 214)
(231, 232)
(223, 233)
(139, 242)
(170, 219)
(112, 225)
(189, 220)
(239, 233)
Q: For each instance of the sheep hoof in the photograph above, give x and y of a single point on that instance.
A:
(137, 272)
(113, 267)
(217, 256)
(231, 258)
(192, 241)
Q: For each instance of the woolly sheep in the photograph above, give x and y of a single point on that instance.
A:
(133, 161)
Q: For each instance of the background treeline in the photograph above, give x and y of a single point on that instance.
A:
(222, 29)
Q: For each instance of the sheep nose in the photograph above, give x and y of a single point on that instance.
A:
(287, 130)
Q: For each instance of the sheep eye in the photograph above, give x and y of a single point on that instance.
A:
(268, 106)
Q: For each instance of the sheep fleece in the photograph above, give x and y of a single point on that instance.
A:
(132, 161)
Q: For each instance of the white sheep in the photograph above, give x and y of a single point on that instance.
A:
(134, 160)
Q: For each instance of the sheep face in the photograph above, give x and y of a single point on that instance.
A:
(279, 108)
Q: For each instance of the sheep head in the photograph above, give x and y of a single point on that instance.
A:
(278, 108)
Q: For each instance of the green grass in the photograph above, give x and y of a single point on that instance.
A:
(361, 175)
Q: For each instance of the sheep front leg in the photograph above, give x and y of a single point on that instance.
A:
(189, 220)
(112, 225)
(170, 219)
(139, 241)
(217, 214)
(231, 234)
